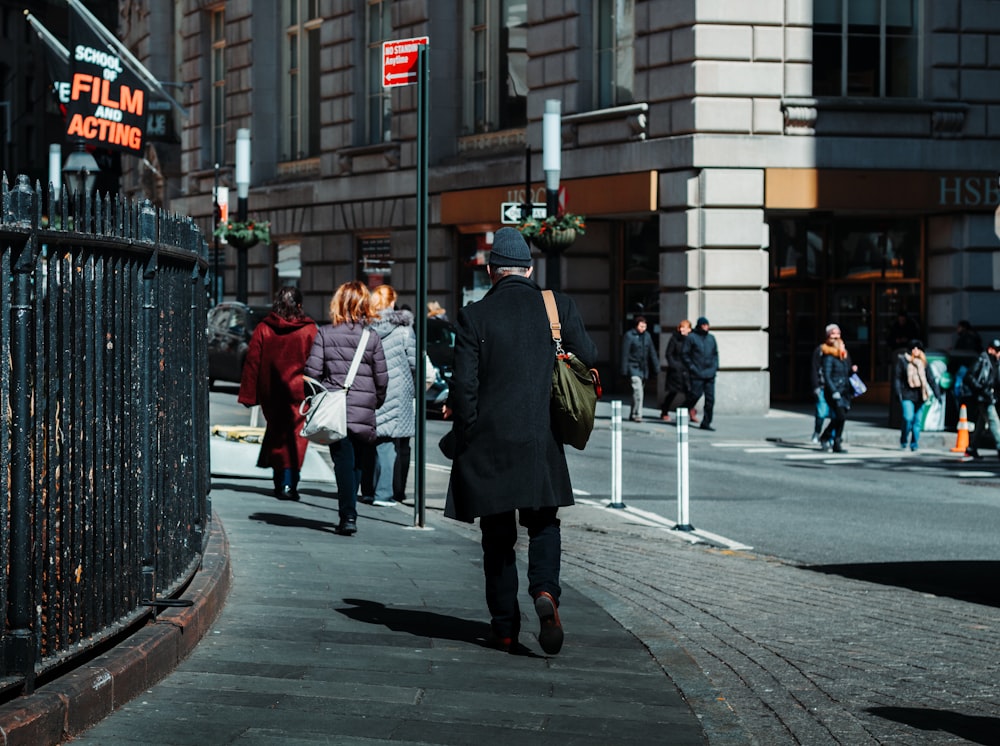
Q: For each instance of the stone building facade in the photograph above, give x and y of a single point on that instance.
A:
(772, 165)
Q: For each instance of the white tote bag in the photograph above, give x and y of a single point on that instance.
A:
(326, 411)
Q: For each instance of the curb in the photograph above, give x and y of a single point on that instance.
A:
(82, 697)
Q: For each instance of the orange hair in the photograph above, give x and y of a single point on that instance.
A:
(684, 323)
(351, 304)
(383, 297)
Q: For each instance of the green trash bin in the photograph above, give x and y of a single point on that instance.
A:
(934, 415)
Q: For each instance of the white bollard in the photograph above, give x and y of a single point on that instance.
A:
(616, 455)
(683, 519)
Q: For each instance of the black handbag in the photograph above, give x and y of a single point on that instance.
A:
(575, 388)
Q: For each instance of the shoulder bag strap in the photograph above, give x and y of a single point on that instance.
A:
(555, 328)
(357, 359)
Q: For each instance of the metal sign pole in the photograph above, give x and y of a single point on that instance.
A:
(419, 490)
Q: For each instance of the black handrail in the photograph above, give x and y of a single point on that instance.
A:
(104, 443)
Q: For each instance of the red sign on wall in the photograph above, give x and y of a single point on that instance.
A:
(399, 61)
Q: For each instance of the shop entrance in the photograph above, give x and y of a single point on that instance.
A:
(859, 273)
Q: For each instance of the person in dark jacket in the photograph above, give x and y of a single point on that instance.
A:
(911, 386)
(508, 466)
(837, 369)
(816, 376)
(677, 382)
(701, 357)
(329, 362)
(639, 362)
(272, 378)
(983, 380)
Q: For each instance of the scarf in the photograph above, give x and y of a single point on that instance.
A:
(837, 349)
(916, 375)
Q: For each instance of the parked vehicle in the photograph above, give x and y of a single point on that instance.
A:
(228, 333)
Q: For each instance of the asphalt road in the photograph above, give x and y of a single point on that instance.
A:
(787, 499)
(796, 503)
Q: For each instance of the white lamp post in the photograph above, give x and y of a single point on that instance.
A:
(242, 194)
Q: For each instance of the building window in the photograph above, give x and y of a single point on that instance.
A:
(867, 48)
(378, 120)
(300, 88)
(496, 65)
(218, 78)
(614, 39)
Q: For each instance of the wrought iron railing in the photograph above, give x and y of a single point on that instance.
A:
(104, 443)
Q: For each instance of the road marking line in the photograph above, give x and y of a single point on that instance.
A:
(655, 520)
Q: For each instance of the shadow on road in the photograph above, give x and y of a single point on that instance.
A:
(975, 729)
(964, 580)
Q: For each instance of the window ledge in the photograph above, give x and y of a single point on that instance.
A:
(366, 158)
(615, 124)
(943, 119)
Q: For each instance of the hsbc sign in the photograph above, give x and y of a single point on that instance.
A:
(399, 61)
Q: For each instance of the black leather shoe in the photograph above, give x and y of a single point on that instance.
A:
(348, 527)
(288, 493)
(706, 426)
(550, 635)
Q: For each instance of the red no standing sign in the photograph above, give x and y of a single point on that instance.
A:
(399, 61)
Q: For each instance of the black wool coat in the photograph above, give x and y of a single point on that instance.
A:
(505, 454)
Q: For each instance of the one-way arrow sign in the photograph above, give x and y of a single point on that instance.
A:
(510, 212)
(399, 61)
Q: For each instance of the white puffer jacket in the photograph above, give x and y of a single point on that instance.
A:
(395, 418)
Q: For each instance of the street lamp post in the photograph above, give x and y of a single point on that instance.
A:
(80, 171)
(55, 169)
(551, 165)
(242, 193)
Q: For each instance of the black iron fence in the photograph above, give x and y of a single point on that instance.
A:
(104, 443)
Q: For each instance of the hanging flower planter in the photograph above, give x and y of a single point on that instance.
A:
(244, 235)
(553, 233)
(557, 238)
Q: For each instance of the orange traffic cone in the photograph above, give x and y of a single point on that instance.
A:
(962, 442)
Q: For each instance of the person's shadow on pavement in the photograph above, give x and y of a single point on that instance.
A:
(425, 624)
(280, 519)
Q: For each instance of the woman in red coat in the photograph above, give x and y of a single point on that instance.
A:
(272, 378)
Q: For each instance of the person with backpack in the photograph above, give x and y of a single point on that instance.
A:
(982, 381)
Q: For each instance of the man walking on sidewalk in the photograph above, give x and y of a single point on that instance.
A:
(701, 355)
(508, 467)
(982, 381)
(639, 362)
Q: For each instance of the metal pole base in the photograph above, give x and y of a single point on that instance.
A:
(617, 506)
(683, 527)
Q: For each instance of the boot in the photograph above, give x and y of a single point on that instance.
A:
(837, 447)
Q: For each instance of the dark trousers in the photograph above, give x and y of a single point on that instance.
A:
(500, 567)
(706, 387)
(838, 417)
(347, 470)
(402, 468)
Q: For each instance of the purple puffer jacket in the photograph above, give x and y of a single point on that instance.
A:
(329, 361)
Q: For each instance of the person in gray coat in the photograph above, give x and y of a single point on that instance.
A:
(395, 420)
(329, 362)
(508, 466)
(639, 362)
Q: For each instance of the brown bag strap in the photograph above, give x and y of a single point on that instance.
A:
(550, 308)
